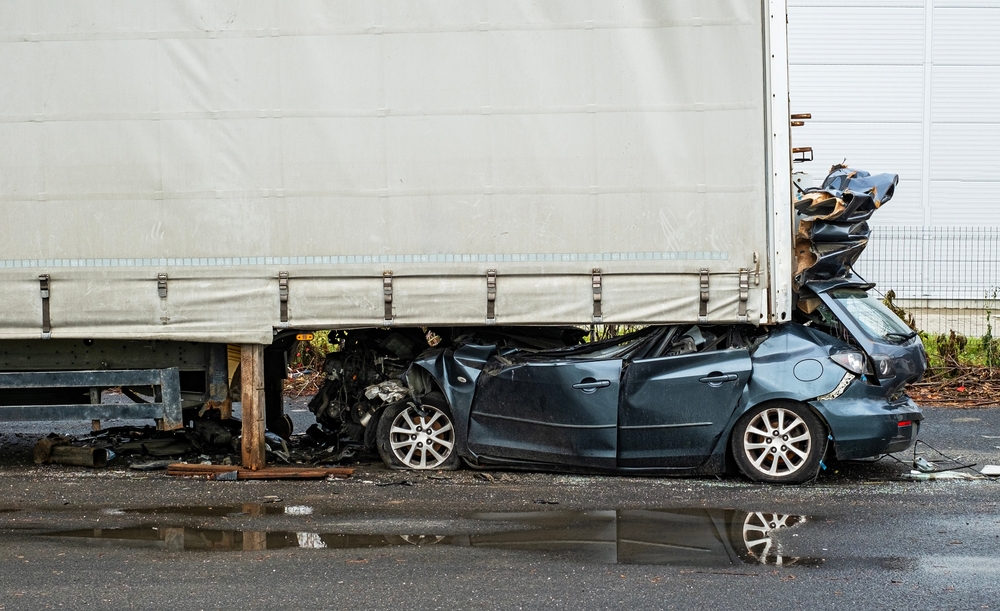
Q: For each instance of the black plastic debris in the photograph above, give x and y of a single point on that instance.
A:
(402, 482)
(145, 448)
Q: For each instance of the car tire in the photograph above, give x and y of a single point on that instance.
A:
(416, 437)
(781, 443)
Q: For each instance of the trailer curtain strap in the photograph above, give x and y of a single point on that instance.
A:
(387, 297)
(744, 294)
(283, 294)
(43, 282)
(491, 296)
(161, 285)
(703, 308)
(595, 281)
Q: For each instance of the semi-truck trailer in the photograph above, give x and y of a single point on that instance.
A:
(179, 176)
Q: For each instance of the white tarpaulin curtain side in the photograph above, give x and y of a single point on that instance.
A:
(224, 143)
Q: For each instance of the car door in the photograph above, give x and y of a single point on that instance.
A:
(555, 412)
(674, 408)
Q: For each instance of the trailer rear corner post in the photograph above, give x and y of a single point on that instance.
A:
(252, 367)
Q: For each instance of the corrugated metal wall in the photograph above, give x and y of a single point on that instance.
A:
(904, 86)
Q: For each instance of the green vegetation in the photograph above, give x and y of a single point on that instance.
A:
(310, 354)
(954, 351)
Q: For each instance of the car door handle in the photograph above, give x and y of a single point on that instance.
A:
(716, 379)
(590, 385)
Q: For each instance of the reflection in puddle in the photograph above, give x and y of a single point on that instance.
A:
(220, 511)
(699, 537)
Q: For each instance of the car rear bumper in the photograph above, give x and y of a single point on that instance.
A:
(863, 423)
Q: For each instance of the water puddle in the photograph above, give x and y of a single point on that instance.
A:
(221, 511)
(690, 537)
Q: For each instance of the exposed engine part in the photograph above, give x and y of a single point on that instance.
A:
(364, 375)
(370, 370)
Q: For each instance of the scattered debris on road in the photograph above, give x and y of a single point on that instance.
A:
(205, 440)
(940, 475)
(57, 449)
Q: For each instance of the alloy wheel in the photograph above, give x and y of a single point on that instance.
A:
(422, 438)
(777, 442)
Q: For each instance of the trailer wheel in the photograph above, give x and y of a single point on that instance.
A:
(780, 443)
(418, 437)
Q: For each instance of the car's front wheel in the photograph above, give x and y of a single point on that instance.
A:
(411, 436)
(781, 443)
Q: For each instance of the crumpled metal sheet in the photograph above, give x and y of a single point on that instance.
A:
(389, 391)
(832, 222)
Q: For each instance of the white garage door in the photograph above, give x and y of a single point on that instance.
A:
(904, 86)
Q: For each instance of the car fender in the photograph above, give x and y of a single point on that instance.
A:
(455, 372)
(792, 364)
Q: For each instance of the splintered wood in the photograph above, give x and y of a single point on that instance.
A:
(224, 472)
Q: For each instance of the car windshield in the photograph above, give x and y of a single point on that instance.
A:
(877, 321)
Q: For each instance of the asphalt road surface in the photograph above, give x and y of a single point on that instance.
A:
(861, 537)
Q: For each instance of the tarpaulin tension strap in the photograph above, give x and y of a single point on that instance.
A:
(595, 282)
(744, 293)
(161, 285)
(703, 308)
(491, 296)
(387, 297)
(283, 294)
(43, 282)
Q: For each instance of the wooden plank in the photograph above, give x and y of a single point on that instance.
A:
(261, 474)
(195, 470)
(183, 466)
(279, 473)
(252, 366)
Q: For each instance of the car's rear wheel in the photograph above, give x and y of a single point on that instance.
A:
(781, 443)
(418, 437)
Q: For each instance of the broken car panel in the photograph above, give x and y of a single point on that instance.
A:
(832, 224)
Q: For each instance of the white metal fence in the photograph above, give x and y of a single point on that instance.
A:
(947, 277)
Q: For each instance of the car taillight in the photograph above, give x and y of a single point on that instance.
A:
(851, 361)
(903, 423)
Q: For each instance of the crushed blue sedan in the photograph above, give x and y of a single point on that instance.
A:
(689, 399)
